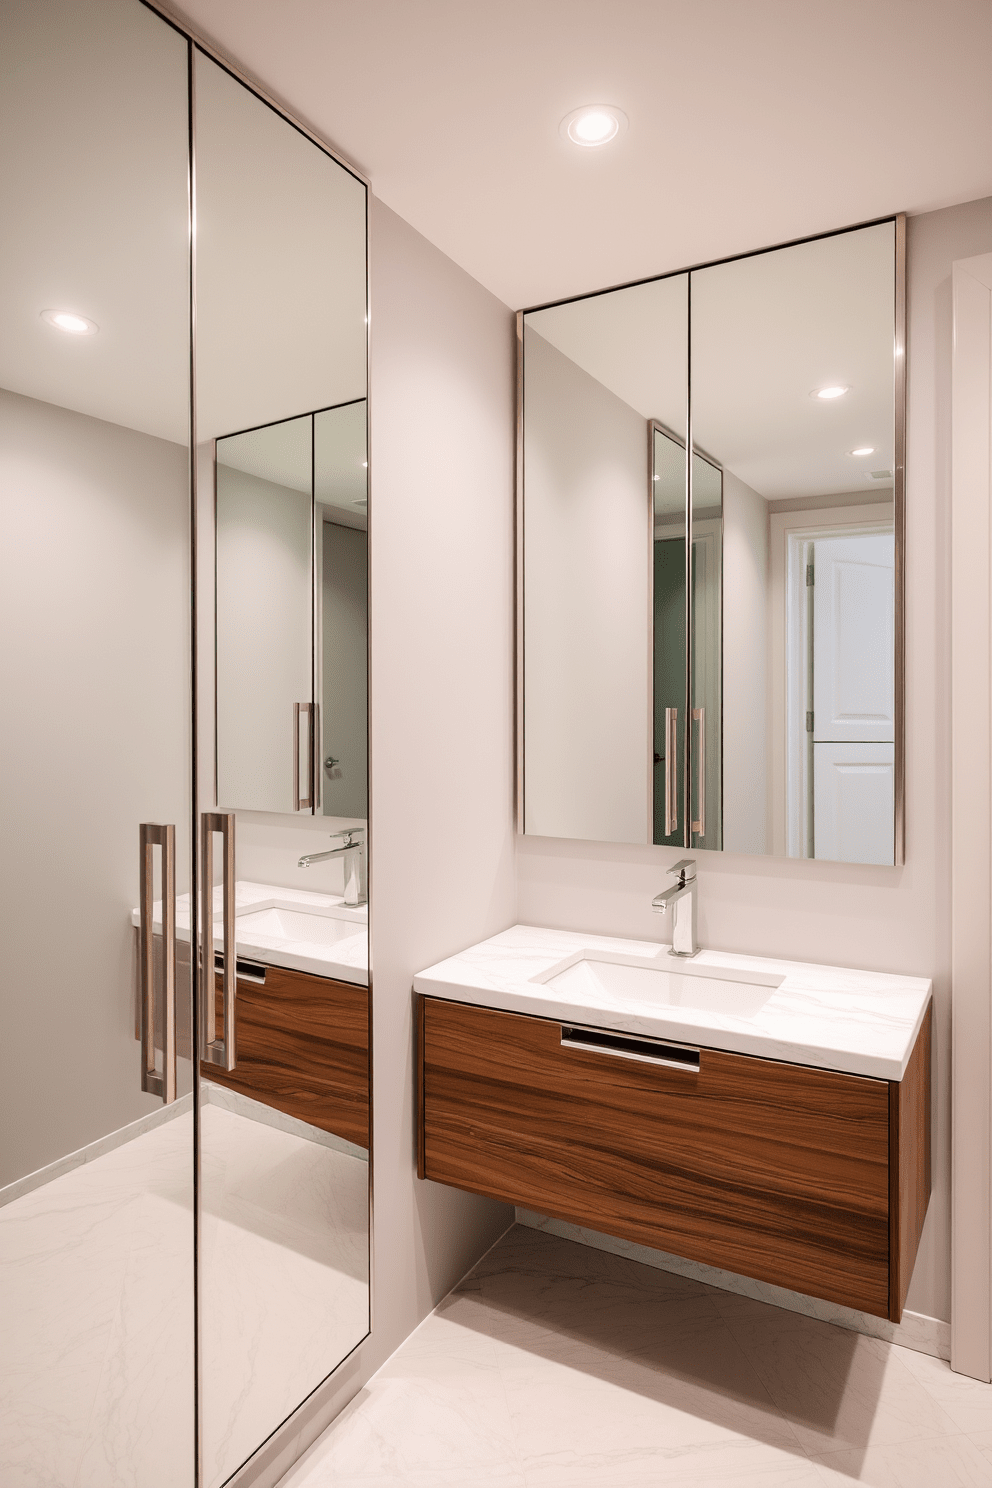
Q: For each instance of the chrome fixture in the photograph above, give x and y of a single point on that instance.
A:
(681, 899)
(213, 1050)
(152, 1081)
(353, 852)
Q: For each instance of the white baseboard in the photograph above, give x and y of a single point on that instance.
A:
(926, 1335)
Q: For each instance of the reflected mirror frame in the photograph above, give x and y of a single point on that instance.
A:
(196, 41)
(314, 750)
(899, 382)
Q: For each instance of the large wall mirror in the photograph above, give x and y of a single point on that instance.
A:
(710, 511)
(282, 507)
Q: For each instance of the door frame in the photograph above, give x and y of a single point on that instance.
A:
(971, 818)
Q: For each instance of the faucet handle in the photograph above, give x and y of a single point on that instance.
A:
(348, 833)
(684, 869)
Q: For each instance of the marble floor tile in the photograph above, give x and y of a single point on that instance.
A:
(838, 1389)
(723, 1465)
(418, 1426)
(553, 1365)
(968, 1402)
(96, 1291)
(948, 1462)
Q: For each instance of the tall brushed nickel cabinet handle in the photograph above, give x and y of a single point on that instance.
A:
(671, 760)
(220, 1051)
(163, 1083)
(301, 802)
(699, 716)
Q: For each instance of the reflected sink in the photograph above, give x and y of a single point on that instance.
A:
(278, 923)
(592, 976)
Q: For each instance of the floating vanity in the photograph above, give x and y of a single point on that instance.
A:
(301, 1003)
(767, 1117)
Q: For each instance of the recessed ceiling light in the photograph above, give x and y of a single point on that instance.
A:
(594, 124)
(866, 449)
(66, 320)
(835, 390)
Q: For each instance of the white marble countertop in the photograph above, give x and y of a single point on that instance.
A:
(859, 1022)
(346, 959)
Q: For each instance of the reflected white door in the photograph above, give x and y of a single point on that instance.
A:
(853, 697)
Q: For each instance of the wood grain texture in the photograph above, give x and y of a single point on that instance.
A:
(302, 1047)
(774, 1171)
(418, 1034)
(909, 1164)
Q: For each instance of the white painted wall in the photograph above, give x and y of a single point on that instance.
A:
(587, 611)
(889, 919)
(441, 530)
(94, 609)
(745, 668)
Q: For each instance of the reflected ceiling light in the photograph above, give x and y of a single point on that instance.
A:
(593, 124)
(365, 463)
(835, 390)
(866, 449)
(66, 320)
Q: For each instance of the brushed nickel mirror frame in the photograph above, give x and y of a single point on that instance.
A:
(898, 221)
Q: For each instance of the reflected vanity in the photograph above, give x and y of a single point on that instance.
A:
(711, 648)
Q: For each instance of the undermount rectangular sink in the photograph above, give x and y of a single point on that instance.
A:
(598, 975)
(278, 923)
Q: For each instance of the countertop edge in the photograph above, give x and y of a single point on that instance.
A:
(733, 1041)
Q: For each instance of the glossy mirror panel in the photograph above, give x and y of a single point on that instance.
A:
(808, 540)
(770, 663)
(282, 500)
(96, 1173)
(596, 372)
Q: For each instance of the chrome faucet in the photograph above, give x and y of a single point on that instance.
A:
(352, 853)
(681, 899)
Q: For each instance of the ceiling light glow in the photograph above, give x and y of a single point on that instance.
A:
(866, 449)
(594, 124)
(835, 390)
(68, 321)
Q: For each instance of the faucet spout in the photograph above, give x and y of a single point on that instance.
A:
(352, 854)
(681, 899)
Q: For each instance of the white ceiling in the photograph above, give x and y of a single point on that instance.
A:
(750, 124)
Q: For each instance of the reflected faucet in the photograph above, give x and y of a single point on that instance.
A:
(352, 852)
(681, 898)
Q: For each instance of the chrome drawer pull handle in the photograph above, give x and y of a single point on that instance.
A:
(164, 1084)
(222, 1051)
(629, 1046)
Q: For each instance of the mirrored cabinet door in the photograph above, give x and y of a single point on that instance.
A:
(96, 1074)
(793, 399)
(603, 559)
(771, 660)
(264, 583)
(282, 502)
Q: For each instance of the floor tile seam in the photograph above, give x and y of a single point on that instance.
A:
(912, 1441)
(935, 1400)
(518, 1453)
(114, 1332)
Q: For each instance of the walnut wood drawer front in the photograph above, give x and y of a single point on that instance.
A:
(771, 1170)
(302, 1047)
